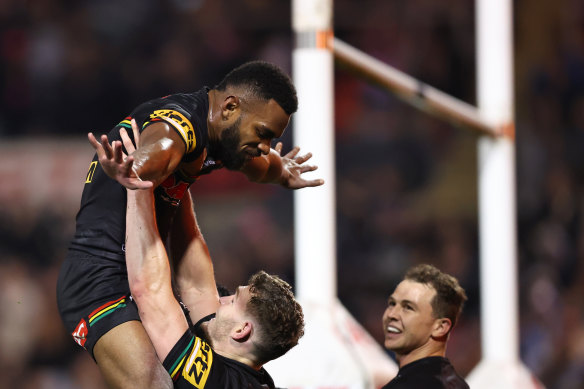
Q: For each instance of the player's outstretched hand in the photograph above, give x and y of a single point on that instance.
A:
(293, 165)
(115, 163)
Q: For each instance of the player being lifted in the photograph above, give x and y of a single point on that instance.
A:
(183, 136)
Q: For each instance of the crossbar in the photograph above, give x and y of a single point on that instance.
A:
(411, 90)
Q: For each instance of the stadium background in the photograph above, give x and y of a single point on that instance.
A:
(406, 183)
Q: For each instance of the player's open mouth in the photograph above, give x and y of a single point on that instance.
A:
(393, 330)
(251, 153)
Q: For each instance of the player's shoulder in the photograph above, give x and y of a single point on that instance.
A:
(191, 105)
(177, 103)
(185, 112)
(190, 361)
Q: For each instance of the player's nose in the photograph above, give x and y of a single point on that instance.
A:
(264, 147)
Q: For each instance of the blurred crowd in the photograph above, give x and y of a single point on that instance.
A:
(406, 182)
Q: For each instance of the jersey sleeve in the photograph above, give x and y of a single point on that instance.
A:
(179, 121)
(189, 362)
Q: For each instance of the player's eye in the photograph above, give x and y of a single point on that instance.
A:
(264, 134)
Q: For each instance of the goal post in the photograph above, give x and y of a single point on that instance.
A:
(326, 346)
(335, 352)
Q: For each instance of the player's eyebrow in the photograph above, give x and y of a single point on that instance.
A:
(392, 299)
(408, 302)
(265, 132)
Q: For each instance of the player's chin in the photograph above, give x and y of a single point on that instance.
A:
(235, 165)
(391, 340)
(239, 161)
(232, 161)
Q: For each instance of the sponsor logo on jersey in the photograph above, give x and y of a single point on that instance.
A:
(180, 123)
(198, 365)
(173, 189)
(209, 163)
(80, 333)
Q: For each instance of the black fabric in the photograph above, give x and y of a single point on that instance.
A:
(85, 284)
(94, 271)
(101, 221)
(192, 363)
(427, 373)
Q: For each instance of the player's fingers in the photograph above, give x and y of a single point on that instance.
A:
(136, 132)
(292, 153)
(303, 158)
(93, 141)
(127, 141)
(97, 146)
(313, 183)
(278, 147)
(106, 147)
(117, 150)
(127, 166)
(308, 168)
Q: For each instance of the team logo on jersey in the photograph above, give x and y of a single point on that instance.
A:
(198, 365)
(180, 123)
(80, 333)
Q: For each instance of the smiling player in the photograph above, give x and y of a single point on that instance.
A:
(420, 314)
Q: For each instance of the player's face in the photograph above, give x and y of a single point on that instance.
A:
(229, 152)
(408, 321)
(230, 314)
(252, 134)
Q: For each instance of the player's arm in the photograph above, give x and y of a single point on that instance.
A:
(149, 274)
(192, 263)
(160, 150)
(284, 170)
(159, 153)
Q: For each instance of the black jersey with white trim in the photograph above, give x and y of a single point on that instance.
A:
(192, 363)
(101, 220)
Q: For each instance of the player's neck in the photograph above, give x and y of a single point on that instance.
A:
(213, 116)
(427, 350)
(235, 354)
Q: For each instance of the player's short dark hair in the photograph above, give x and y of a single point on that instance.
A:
(279, 316)
(265, 80)
(450, 296)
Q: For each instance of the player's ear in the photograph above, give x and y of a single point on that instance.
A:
(229, 106)
(242, 332)
(441, 328)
